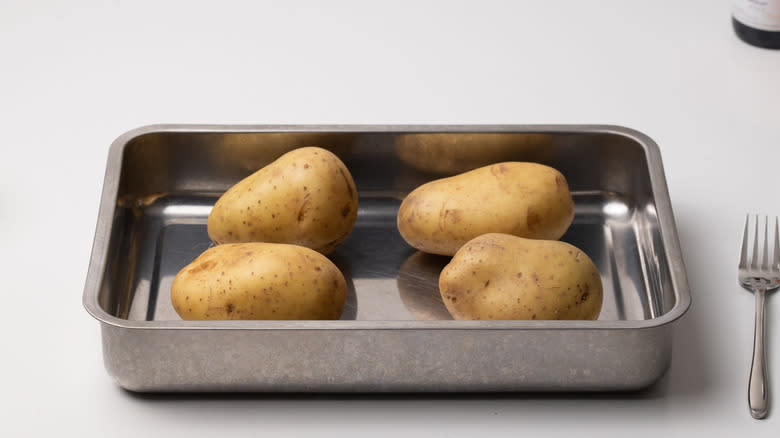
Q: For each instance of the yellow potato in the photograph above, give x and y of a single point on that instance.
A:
(523, 199)
(306, 197)
(499, 276)
(451, 153)
(259, 281)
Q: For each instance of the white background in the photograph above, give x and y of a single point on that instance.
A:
(74, 75)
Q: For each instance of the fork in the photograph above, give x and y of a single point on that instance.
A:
(759, 279)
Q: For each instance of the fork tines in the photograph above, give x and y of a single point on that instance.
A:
(752, 263)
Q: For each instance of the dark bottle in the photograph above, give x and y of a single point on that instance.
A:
(757, 22)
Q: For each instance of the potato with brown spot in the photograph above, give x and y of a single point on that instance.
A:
(259, 281)
(523, 199)
(306, 197)
(504, 277)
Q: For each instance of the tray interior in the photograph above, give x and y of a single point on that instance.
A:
(170, 180)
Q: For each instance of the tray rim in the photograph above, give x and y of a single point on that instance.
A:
(663, 207)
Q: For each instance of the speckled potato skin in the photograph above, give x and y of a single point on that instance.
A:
(306, 197)
(501, 277)
(259, 281)
(523, 199)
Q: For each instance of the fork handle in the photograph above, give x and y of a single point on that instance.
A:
(758, 395)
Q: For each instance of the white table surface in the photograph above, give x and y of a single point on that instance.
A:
(74, 75)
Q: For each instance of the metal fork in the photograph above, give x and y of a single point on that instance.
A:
(759, 279)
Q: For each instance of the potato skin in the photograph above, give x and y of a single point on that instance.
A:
(259, 281)
(503, 277)
(306, 197)
(523, 199)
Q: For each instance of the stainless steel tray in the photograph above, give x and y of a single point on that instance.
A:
(161, 182)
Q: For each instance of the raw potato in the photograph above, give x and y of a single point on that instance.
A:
(259, 281)
(498, 276)
(306, 197)
(524, 199)
(451, 153)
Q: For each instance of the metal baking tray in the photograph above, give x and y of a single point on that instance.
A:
(395, 334)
